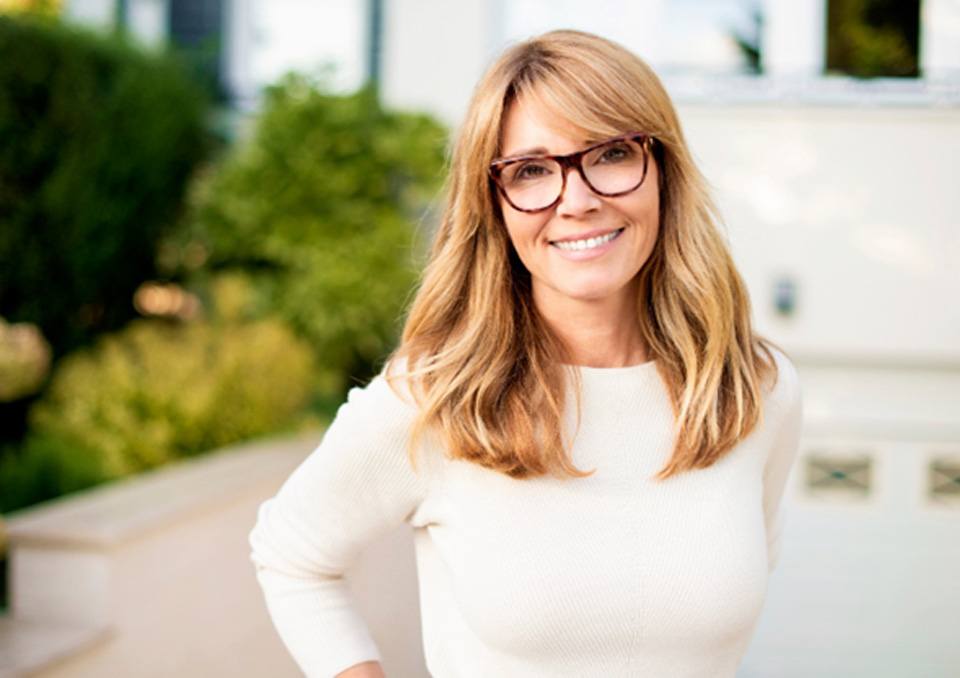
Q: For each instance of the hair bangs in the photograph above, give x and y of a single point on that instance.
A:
(573, 98)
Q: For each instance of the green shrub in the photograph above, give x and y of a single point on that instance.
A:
(24, 360)
(97, 141)
(321, 204)
(44, 467)
(160, 390)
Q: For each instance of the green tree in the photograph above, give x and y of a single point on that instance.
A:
(97, 141)
(749, 42)
(321, 206)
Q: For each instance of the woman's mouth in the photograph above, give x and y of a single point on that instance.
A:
(587, 243)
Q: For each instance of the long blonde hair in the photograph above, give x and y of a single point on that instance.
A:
(486, 372)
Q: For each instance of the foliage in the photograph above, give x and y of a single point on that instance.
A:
(97, 141)
(24, 360)
(320, 205)
(873, 38)
(749, 42)
(160, 390)
(40, 7)
(43, 467)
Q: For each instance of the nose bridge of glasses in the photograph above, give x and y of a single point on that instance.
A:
(573, 164)
(574, 161)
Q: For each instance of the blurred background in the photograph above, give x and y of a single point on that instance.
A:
(212, 214)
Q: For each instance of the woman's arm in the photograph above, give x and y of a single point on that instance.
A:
(354, 487)
(788, 410)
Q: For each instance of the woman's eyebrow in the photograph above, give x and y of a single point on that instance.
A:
(539, 150)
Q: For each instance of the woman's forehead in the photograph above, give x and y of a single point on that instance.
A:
(530, 127)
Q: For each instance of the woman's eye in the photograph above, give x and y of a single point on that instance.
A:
(616, 153)
(531, 170)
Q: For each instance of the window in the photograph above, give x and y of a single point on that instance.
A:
(676, 37)
(873, 38)
(195, 29)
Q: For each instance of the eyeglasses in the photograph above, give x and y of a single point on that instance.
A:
(533, 183)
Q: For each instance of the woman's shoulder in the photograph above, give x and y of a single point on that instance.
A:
(374, 425)
(784, 393)
(385, 399)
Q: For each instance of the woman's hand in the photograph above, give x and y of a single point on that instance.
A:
(363, 670)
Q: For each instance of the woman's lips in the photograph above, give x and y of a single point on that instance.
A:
(582, 248)
(586, 235)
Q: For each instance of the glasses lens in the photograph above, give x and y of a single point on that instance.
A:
(532, 184)
(615, 167)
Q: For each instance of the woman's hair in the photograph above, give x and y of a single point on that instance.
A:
(486, 372)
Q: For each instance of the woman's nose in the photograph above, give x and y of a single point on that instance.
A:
(577, 197)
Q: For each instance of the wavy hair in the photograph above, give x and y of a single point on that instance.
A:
(487, 374)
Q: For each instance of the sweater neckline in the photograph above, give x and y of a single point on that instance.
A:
(615, 372)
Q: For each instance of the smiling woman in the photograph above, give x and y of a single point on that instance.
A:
(597, 442)
(599, 222)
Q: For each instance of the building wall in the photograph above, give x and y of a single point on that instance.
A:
(147, 19)
(159, 565)
(854, 205)
(96, 13)
(940, 39)
(434, 52)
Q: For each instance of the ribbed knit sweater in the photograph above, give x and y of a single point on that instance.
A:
(615, 574)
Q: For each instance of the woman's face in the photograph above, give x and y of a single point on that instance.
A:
(566, 272)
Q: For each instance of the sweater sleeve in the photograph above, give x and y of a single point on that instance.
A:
(786, 414)
(356, 485)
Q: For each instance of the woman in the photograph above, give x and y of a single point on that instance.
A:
(588, 438)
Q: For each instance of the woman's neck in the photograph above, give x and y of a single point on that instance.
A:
(597, 333)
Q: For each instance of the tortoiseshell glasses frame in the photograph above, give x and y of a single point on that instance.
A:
(568, 162)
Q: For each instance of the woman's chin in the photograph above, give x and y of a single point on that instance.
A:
(588, 292)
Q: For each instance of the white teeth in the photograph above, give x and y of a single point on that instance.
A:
(588, 243)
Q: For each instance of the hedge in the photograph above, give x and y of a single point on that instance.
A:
(97, 142)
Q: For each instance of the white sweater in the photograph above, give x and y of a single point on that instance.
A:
(610, 575)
